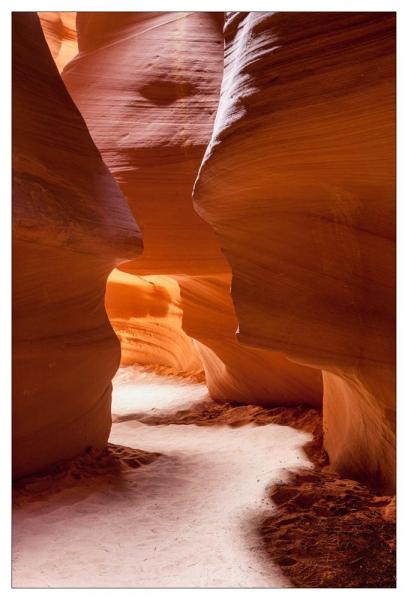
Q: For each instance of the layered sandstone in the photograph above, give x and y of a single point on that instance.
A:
(148, 85)
(60, 32)
(71, 225)
(146, 315)
(234, 372)
(298, 184)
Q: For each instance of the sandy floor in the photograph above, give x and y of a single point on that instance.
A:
(329, 531)
(184, 512)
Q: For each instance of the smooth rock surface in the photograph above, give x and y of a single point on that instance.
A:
(147, 85)
(60, 33)
(71, 226)
(146, 314)
(298, 182)
(233, 371)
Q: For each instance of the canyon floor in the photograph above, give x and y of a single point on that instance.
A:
(195, 493)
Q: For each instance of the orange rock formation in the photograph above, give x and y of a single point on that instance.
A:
(60, 32)
(146, 314)
(71, 226)
(298, 184)
(295, 193)
(234, 372)
(147, 85)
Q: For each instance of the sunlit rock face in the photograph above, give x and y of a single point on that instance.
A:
(148, 87)
(71, 225)
(146, 314)
(298, 184)
(60, 33)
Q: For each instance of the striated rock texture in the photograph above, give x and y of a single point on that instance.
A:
(298, 184)
(148, 85)
(146, 314)
(233, 372)
(71, 225)
(60, 33)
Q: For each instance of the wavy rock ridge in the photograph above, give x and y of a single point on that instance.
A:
(298, 183)
(296, 187)
(146, 314)
(71, 225)
(147, 85)
(60, 33)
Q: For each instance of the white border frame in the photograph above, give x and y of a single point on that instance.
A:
(6, 7)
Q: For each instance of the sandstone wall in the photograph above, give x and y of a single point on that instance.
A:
(71, 225)
(146, 314)
(60, 33)
(235, 372)
(298, 183)
(148, 85)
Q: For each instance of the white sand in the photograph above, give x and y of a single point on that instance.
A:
(143, 391)
(186, 520)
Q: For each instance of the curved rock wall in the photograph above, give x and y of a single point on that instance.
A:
(60, 33)
(298, 184)
(71, 225)
(146, 314)
(147, 85)
(234, 372)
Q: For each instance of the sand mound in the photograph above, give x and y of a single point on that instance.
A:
(212, 412)
(331, 532)
(86, 470)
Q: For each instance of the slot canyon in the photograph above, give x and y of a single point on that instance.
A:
(204, 299)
